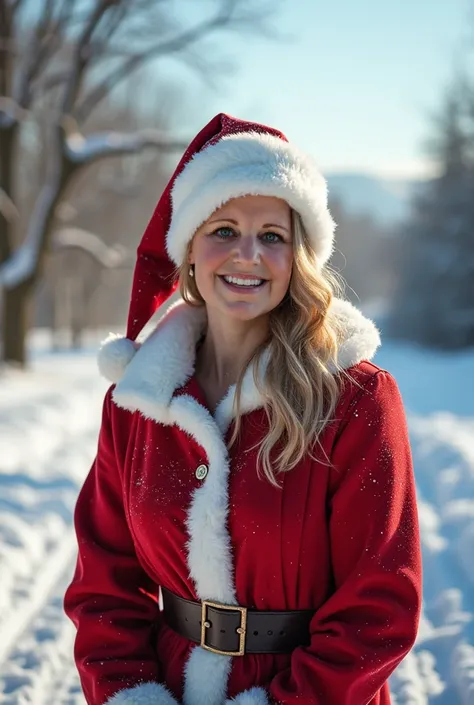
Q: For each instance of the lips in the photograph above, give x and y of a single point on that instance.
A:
(242, 287)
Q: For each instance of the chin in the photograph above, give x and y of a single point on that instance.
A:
(242, 311)
(239, 310)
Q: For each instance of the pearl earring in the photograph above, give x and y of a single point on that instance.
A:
(191, 270)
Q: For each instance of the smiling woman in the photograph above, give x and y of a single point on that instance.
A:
(253, 463)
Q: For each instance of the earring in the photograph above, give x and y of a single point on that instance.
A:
(191, 270)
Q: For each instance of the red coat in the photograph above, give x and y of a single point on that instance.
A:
(342, 540)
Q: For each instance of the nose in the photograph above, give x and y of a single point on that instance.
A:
(247, 250)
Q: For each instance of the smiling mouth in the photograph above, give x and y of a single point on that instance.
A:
(243, 287)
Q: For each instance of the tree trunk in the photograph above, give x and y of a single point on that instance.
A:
(16, 308)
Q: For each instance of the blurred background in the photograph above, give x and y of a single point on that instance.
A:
(98, 100)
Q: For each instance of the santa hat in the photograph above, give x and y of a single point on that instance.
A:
(227, 159)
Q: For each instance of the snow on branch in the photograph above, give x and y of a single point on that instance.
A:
(22, 264)
(77, 238)
(81, 149)
(19, 267)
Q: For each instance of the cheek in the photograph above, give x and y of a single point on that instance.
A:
(281, 263)
(208, 255)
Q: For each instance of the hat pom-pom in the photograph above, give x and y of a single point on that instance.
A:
(114, 355)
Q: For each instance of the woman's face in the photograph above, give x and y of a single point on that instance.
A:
(248, 237)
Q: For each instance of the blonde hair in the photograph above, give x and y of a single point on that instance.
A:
(301, 385)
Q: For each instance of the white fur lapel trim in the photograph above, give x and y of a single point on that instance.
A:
(205, 678)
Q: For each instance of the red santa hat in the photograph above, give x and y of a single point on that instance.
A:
(228, 158)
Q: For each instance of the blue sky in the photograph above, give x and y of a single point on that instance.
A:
(352, 85)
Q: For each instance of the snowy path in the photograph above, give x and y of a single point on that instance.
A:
(49, 420)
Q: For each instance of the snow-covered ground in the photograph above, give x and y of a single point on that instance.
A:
(49, 420)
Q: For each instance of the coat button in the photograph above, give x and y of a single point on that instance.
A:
(201, 472)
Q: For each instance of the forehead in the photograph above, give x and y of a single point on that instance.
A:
(263, 207)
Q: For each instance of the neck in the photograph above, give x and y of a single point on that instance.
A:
(226, 348)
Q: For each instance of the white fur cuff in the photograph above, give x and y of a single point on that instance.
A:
(143, 694)
(253, 696)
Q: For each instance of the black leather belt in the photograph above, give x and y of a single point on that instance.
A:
(234, 630)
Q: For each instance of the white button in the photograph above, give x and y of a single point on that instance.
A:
(201, 472)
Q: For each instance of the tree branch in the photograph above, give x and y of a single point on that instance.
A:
(16, 5)
(77, 238)
(36, 55)
(222, 19)
(10, 112)
(81, 149)
(82, 55)
(7, 207)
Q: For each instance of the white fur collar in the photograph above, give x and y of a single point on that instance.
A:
(148, 374)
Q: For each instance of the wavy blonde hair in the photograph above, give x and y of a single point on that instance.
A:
(301, 385)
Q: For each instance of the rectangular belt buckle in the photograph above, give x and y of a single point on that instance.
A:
(242, 630)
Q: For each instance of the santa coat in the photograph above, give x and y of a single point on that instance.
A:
(339, 538)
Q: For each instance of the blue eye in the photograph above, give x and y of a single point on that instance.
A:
(279, 237)
(219, 231)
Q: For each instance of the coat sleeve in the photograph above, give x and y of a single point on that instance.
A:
(110, 599)
(369, 623)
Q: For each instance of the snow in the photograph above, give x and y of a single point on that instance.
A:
(82, 149)
(49, 419)
(23, 262)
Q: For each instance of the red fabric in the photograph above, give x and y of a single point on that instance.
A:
(154, 281)
(341, 540)
(112, 599)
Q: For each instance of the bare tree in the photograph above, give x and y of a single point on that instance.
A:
(74, 54)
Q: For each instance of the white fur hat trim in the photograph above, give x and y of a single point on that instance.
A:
(249, 163)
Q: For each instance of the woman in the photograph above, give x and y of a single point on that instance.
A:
(252, 462)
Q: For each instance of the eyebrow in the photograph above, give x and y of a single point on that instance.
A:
(234, 222)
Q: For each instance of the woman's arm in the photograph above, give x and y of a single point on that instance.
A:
(370, 622)
(109, 599)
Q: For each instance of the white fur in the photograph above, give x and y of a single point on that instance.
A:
(115, 354)
(243, 164)
(361, 337)
(205, 678)
(162, 364)
(143, 694)
(209, 548)
(253, 696)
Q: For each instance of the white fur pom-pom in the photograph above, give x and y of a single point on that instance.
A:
(114, 355)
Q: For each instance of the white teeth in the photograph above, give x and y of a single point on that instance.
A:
(243, 282)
